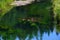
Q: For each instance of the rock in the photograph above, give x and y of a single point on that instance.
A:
(20, 3)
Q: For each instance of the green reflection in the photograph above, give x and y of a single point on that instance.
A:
(23, 30)
(27, 20)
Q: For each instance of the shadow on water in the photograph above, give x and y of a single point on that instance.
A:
(29, 23)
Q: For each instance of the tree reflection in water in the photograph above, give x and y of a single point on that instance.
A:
(27, 21)
(22, 30)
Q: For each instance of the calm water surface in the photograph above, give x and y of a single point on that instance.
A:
(30, 22)
(43, 32)
(45, 36)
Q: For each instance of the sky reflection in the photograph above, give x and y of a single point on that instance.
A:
(52, 36)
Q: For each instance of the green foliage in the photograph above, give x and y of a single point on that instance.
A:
(5, 6)
(57, 10)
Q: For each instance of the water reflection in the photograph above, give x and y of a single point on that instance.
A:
(27, 31)
(29, 23)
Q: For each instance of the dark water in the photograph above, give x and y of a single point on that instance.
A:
(29, 23)
(31, 31)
